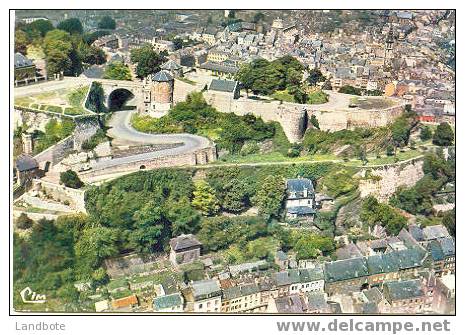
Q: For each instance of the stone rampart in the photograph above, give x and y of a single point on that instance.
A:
(55, 153)
(61, 193)
(202, 156)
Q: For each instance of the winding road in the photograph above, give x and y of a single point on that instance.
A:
(122, 131)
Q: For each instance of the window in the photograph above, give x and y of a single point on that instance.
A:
(200, 306)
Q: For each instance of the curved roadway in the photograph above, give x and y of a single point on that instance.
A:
(121, 129)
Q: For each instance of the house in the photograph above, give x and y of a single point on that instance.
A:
(281, 260)
(442, 252)
(230, 87)
(293, 304)
(241, 298)
(205, 296)
(317, 303)
(348, 275)
(222, 69)
(26, 168)
(184, 249)
(300, 201)
(24, 67)
(169, 303)
(125, 304)
(406, 296)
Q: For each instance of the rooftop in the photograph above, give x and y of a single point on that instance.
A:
(401, 290)
(162, 76)
(222, 85)
(167, 301)
(184, 242)
(25, 163)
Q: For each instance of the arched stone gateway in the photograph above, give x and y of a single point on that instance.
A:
(118, 99)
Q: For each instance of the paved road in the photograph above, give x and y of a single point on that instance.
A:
(122, 131)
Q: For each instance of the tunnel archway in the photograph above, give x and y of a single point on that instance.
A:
(118, 98)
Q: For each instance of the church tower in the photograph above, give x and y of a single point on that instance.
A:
(389, 48)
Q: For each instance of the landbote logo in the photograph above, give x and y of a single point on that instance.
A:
(30, 297)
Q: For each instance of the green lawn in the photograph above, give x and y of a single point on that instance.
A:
(283, 96)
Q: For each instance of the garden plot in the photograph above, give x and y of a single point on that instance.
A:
(69, 101)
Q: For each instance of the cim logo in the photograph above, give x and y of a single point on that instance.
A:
(30, 297)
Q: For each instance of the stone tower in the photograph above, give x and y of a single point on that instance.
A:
(389, 48)
(161, 93)
(27, 143)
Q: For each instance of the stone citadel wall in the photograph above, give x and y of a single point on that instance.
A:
(199, 157)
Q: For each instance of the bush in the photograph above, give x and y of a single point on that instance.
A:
(24, 222)
(444, 135)
(70, 179)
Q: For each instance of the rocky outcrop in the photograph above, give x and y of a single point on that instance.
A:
(384, 181)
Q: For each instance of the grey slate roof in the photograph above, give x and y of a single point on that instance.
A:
(222, 85)
(373, 295)
(184, 241)
(442, 248)
(301, 210)
(25, 163)
(309, 275)
(204, 289)
(299, 185)
(316, 301)
(212, 66)
(345, 269)
(22, 61)
(435, 232)
(171, 65)
(162, 76)
(401, 290)
(167, 301)
(291, 304)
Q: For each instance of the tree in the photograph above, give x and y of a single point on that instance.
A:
(205, 199)
(374, 213)
(184, 218)
(70, 179)
(425, 134)
(347, 89)
(93, 247)
(91, 54)
(72, 26)
(58, 48)
(117, 71)
(400, 129)
(270, 196)
(21, 42)
(24, 222)
(148, 228)
(315, 76)
(107, 22)
(448, 220)
(444, 135)
(314, 121)
(390, 150)
(147, 59)
(236, 196)
(38, 28)
(308, 245)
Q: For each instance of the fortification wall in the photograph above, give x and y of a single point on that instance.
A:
(199, 157)
(384, 181)
(61, 193)
(294, 117)
(56, 153)
(85, 129)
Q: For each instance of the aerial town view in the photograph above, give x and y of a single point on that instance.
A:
(233, 161)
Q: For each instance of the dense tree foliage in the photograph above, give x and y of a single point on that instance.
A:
(374, 213)
(347, 89)
(315, 76)
(264, 77)
(425, 134)
(95, 100)
(444, 135)
(147, 59)
(448, 220)
(143, 208)
(71, 25)
(71, 179)
(107, 22)
(269, 197)
(205, 199)
(117, 71)
(21, 42)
